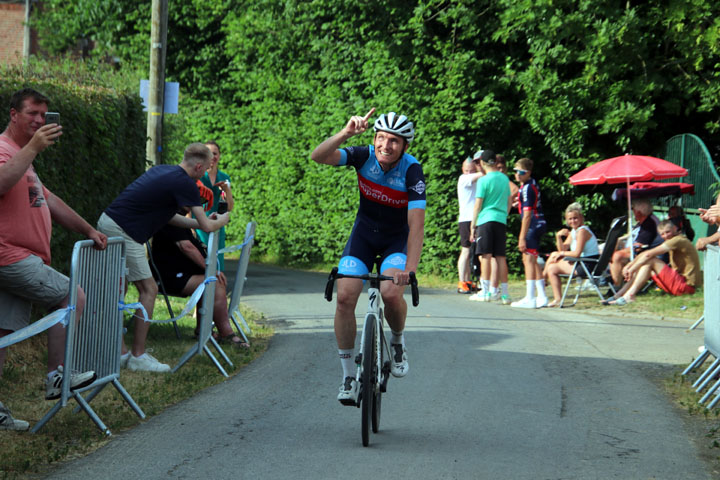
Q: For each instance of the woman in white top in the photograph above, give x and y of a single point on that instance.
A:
(579, 241)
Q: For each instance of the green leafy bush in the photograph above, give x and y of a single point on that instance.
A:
(565, 83)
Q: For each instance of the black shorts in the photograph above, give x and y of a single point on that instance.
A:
(365, 244)
(464, 230)
(491, 238)
(174, 283)
(534, 234)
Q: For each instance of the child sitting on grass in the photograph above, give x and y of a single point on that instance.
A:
(680, 277)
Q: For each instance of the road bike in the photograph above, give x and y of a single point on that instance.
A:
(373, 360)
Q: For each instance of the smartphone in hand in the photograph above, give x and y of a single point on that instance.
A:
(52, 117)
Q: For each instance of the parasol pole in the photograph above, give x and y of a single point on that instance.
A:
(629, 222)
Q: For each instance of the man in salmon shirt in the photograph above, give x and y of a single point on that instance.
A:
(28, 208)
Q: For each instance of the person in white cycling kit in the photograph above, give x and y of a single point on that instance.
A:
(390, 223)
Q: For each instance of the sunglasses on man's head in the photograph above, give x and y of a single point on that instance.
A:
(520, 172)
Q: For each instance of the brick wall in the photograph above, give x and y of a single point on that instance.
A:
(12, 17)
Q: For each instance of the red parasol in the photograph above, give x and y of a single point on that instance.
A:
(626, 169)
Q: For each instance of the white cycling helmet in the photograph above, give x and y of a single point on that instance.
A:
(395, 124)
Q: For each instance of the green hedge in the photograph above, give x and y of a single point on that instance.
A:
(102, 148)
(565, 83)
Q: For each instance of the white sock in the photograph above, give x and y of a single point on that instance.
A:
(348, 362)
(397, 338)
(529, 288)
(485, 285)
(540, 288)
(493, 290)
(504, 289)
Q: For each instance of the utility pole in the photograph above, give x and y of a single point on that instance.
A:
(26, 33)
(156, 93)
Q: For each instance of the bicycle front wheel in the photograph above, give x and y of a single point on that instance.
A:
(378, 359)
(368, 379)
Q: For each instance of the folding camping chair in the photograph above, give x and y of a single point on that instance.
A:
(595, 269)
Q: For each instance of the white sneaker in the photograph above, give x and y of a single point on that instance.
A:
(124, 358)
(494, 297)
(348, 392)
(399, 366)
(7, 422)
(146, 363)
(480, 297)
(541, 302)
(53, 384)
(524, 303)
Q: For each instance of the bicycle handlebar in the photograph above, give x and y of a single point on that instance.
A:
(372, 277)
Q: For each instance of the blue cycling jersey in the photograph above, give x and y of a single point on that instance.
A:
(385, 197)
(529, 200)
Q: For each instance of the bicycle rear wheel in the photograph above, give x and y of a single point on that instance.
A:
(378, 351)
(368, 379)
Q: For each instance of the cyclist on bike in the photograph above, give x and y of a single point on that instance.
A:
(390, 223)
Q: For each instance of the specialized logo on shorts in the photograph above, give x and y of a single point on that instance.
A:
(348, 263)
(395, 260)
(418, 188)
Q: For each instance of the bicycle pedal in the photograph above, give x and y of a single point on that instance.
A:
(349, 403)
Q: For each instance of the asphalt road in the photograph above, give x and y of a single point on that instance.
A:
(493, 393)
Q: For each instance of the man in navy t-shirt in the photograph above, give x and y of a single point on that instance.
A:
(143, 208)
(390, 224)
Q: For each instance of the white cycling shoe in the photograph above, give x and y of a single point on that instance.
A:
(399, 366)
(348, 392)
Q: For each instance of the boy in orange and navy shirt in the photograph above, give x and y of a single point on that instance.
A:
(532, 228)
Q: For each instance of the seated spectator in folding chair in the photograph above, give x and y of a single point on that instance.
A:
(578, 241)
(644, 236)
(677, 215)
(180, 261)
(28, 210)
(680, 277)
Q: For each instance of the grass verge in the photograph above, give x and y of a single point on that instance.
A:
(704, 422)
(67, 435)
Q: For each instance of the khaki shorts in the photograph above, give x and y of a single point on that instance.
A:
(25, 282)
(135, 253)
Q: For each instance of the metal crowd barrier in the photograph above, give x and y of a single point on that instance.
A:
(94, 342)
(240, 278)
(711, 316)
(206, 313)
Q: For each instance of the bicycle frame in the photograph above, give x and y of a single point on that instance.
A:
(375, 313)
(373, 359)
